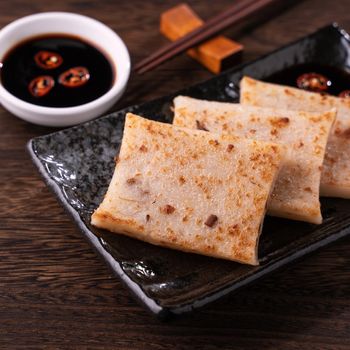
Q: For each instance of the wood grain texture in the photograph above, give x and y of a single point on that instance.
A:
(54, 291)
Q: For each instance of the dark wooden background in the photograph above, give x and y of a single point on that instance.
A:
(55, 293)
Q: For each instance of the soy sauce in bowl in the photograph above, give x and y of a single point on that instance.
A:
(56, 71)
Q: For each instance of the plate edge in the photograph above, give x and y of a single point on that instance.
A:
(92, 239)
(115, 267)
(283, 262)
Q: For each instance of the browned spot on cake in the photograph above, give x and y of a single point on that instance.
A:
(150, 129)
(171, 235)
(131, 181)
(247, 97)
(254, 157)
(200, 125)
(143, 148)
(167, 209)
(219, 238)
(230, 147)
(109, 217)
(252, 119)
(279, 122)
(214, 142)
(318, 149)
(199, 222)
(182, 180)
(182, 161)
(189, 210)
(202, 183)
(288, 92)
(274, 148)
(307, 189)
(233, 229)
(195, 156)
(274, 132)
(250, 82)
(258, 200)
(148, 217)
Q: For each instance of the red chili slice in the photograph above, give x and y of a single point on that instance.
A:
(41, 86)
(313, 82)
(74, 77)
(345, 93)
(48, 59)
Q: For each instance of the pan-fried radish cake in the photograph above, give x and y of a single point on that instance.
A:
(335, 180)
(190, 190)
(296, 193)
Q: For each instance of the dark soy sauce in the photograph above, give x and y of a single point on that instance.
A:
(339, 78)
(19, 68)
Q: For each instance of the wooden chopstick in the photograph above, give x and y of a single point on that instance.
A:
(238, 6)
(230, 16)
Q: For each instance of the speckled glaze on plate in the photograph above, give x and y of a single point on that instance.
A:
(77, 164)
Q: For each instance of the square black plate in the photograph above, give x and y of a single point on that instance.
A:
(77, 164)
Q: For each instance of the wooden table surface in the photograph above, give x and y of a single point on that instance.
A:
(55, 293)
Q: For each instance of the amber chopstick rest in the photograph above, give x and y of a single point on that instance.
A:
(215, 54)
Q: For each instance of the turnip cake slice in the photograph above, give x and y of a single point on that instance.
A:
(296, 192)
(190, 190)
(335, 179)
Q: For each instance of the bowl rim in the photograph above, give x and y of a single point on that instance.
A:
(122, 68)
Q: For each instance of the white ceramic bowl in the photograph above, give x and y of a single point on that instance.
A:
(66, 23)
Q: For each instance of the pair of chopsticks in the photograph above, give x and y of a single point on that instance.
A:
(232, 15)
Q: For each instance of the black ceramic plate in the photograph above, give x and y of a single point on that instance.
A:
(77, 164)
